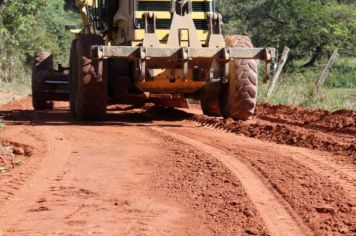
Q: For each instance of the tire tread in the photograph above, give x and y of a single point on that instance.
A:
(240, 95)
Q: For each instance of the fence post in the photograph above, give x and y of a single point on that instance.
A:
(320, 83)
(281, 64)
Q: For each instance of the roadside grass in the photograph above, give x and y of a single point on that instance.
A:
(20, 87)
(295, 85)
(15, 89)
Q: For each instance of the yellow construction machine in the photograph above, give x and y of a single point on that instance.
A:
(161, 51)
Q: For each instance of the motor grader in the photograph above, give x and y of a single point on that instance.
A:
(162, 52)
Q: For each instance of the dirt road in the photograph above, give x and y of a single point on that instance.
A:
(155, 171)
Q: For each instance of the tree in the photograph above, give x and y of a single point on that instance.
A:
(309, 28)
(30, 25)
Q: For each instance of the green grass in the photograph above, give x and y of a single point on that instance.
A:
(295, 85)
(15, 89)
(19, 87)
(343, 74)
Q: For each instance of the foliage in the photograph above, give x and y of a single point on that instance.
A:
(343, 74)
(294, 87)
(308, 27)
(27, 26)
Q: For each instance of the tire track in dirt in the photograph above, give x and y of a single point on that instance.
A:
(315, 186)
(52, 162)
(344, 176)
(99, 187)
(322, 197)
(273, 131)
(52, 153)
(339, 173)
(189, 177)
(342, 132)
(275, 215)
(283, 134)
(46, 141)
(14, 179)
(341, 123)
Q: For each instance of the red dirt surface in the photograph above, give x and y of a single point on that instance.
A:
(343, 121)
(322, 130)
(218, 197)
(155, 171)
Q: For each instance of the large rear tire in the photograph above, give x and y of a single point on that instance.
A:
(88, 80)
(41, 67)
(239, 95)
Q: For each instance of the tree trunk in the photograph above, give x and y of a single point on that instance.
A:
(314, 58)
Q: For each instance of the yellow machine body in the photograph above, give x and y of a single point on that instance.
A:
(161, 47)
(127, 15)
(129, 30)
(159, 51)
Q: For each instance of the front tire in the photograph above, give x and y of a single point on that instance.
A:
(88, 80)
(239, 95)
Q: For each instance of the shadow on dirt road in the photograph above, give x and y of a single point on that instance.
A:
(117, 116)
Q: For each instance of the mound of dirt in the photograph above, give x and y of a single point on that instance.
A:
(339, 119)
(343, 121)
(12, 155)
(282, 134)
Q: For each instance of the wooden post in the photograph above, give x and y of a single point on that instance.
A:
(281, 64)
(320, 83)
